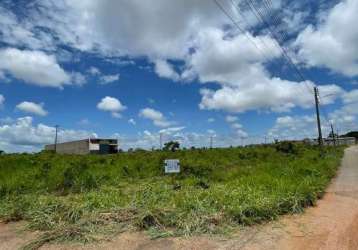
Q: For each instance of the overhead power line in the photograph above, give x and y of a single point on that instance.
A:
(258, 14)
(325, 114)
(260, 51)
(276, 37)
(324, 111)
(276, 43)
(235, 6)
(268, 8)
(281, 48)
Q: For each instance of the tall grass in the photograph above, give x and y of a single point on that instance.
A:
(88, 197)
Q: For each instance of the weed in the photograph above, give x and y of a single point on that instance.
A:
(86, 198)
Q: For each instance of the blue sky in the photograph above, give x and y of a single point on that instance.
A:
(133, 70)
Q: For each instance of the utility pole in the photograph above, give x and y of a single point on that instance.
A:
(334, 137)
(320, 140)
(57, 126)
(211, 141)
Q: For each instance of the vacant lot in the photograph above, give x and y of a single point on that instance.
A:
(86, 198)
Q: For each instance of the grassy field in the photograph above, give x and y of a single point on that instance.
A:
(86, 198)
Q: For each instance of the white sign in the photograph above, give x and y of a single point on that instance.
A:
(172, 166)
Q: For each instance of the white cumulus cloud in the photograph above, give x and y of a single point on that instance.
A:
(94, 71)
(111, 104)
(298, 127)
(105, 79)
(199, 40)
(231, 118)
(351, 97)
(345, 118)
(23, 135)
(33, 67)
(132, 121)
(171, 130)
(32, 108)
(237, 66)
(157, 117)
(333, 42)
(165, 70)
(78, 78)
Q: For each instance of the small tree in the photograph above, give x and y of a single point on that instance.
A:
(171, 146)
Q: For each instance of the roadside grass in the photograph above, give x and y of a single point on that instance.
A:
(91, 198)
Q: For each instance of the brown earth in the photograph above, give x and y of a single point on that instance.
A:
(13, 235)
(331, 225)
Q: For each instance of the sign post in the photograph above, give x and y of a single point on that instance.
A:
(172, 166)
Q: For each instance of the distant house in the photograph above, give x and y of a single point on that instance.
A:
(340, 141)
(86, 146)
(336, 141)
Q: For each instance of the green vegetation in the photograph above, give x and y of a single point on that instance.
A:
(85, 198)
(171, 145)
(351, 134)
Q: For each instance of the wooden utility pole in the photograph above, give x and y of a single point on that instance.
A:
(333, 135)
(320, 140)
(56, 138)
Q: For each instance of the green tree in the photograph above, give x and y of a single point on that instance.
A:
(351, 134)
(171, 146)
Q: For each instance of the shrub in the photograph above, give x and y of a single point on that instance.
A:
(286, 147)
(77, 178)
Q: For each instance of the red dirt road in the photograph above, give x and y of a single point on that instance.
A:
(331, 225)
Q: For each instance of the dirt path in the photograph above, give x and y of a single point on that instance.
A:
(13, 236)
(331, 225)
